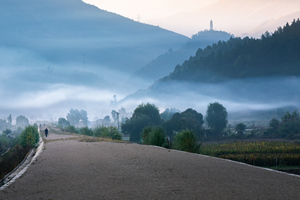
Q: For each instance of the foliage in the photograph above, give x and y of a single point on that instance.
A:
(86, 131)
(11, 159)
(240, 128)
(74, 116)
(187, 141)
(144, 115)
(29, 137)
(7, 131)
(63, 122)
(9, 119)
(22, 121)
(146, 134)
(189, 119)
(168, 113)
(71, 129)
(3, 124)
(154, 136)
(289, 126)
(107, 132)
(272, 55)
(115, 116)
(216, 117)
(106, 121)
(256, 153)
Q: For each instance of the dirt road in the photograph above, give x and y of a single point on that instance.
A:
(68, 169)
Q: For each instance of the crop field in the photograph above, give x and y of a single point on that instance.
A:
(264, 154)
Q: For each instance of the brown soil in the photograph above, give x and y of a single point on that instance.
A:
(68, 169)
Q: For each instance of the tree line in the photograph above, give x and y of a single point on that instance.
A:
(274, 54)
(146, 116)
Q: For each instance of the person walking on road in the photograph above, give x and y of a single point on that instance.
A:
(46, 132)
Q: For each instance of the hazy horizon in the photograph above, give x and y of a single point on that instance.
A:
(238, 17)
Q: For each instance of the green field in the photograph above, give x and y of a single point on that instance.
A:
(264, 154)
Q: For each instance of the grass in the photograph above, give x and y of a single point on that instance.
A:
(262, 154)
(100, 139)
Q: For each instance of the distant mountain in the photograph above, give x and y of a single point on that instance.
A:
(61, 54)
(70, 32)
(165, 63)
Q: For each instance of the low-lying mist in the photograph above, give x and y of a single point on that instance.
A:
(240, 97)
(48, 93)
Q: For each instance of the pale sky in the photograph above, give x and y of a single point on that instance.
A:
(187, 17)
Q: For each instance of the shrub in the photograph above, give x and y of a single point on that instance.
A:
(71, 129)
(146, 134)
(157, 136)
(187, 141)
(107, 132)
(154, 136)
(30, 136)
(86, 131)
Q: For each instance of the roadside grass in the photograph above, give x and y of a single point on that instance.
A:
(100, 139)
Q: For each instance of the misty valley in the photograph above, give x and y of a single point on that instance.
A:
(85, 72)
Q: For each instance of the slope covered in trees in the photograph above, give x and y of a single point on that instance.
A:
(164, 64)
(274, 54)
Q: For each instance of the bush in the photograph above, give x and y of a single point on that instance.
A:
(107, 132)
(86, 131)
(146, 134)
(29, 137)
(187, 141)
(154, 136)
(71, 129)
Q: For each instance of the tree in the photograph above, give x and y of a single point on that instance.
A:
(115, 116)
(83, 117)
(240, 128)
(30, 136)
(168, 113)
(9, 120)
(3, 124)
(290, 124)
(63, 122)
(74, 116)
(189, 119)
(216, 118)
(106, 121)
(22, 121)
(144, 115)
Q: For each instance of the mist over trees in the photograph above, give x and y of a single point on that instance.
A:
(22, 121)
(164, 64)
(146, 122)
(75, 115)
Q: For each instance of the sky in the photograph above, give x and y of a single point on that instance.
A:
(187, 17)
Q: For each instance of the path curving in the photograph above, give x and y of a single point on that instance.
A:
(69, 169)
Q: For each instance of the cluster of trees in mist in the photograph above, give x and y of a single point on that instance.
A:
(21, 123)
(148, 126)
(146, 116)
(287, 127)
(274, 54)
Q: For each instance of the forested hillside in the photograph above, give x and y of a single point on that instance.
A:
(165, 63)
(274, 54)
